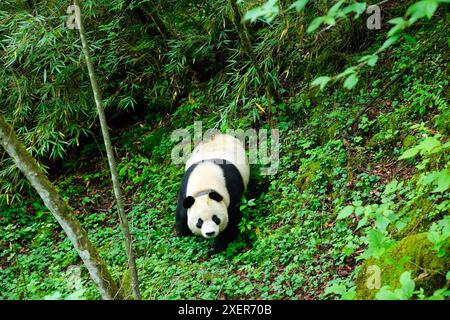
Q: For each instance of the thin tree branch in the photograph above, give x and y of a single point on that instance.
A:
(111, 160)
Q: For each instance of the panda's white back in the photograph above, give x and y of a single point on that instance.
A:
(226, 147)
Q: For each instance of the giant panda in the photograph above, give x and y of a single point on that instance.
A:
(216, 176)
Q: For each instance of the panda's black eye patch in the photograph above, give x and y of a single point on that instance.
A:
(216, 219)
(199, 223)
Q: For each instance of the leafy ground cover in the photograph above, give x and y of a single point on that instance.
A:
(363, 181)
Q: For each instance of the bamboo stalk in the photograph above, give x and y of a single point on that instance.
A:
(111, 160)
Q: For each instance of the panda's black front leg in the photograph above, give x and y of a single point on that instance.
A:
(230, 233)
(181, 225)
(223, 239)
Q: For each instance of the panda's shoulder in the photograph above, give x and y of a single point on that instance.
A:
(233, 177)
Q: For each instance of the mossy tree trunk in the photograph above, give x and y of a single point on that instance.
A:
(111, 160)
(60, 209)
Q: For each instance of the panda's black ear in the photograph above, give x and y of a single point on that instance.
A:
(188, 202)
(215, 196)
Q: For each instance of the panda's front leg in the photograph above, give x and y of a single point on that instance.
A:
(223, 239)
(230, 233)
(181, 225)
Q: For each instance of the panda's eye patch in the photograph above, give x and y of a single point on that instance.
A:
(216, 219)
(199, 223)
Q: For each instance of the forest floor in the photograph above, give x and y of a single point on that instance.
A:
(292, 245)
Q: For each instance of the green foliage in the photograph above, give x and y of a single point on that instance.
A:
(299, 5)
(405, 292)
(267, 11)
(247, 222)
(340, 290)
(363, 177)
(439, 234)
(409, 270)
(419, 10)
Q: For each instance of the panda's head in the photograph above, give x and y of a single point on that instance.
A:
(207, 214)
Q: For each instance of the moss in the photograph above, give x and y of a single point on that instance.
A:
(304, 179)
(442, 122)
(333, 130)
(413, 253)
(409, 141)
(125, 286)
(359, 160)
(417, 217)
(376, 140)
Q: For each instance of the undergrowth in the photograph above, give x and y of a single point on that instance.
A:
(351, 190)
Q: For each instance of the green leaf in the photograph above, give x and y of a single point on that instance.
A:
(315, 24)
(335, 289)
(410, 153)
(385, 294)
(331, 21)
(321, 81)
(398, 20)
(381, 222)
(362, 222)
(267, 11)
(389, 42)
(391, 187)
(371, 59)
(351, 81)
(400, 25)
(421, 9)
(433, 236)
(357, 7)
(400, 224)
(346, 72)
(409, 39)
(334, 9)
(358, 210)
(429, 144)
(298, 5)
(357, 203)
(378, 243)
(443, 181)
(345, 212)
(407, 284)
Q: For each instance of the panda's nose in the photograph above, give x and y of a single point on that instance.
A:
(210, 234)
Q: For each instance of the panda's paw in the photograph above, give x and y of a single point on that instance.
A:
(183, 234)
(182, 229)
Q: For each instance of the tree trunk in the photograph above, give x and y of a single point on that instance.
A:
(61, 211)
(111, 161)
